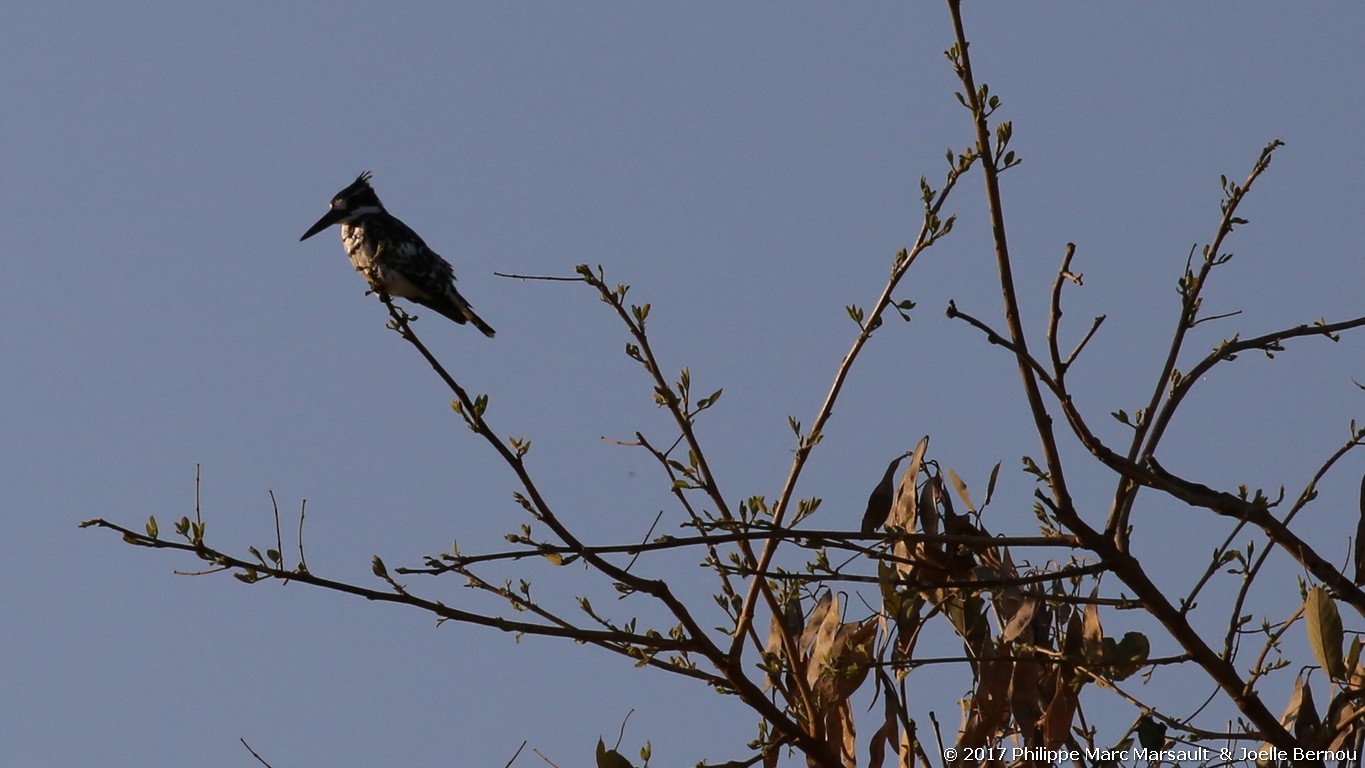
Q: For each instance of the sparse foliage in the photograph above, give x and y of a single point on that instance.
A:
(806, 650)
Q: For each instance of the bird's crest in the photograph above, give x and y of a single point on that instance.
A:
(358, 193)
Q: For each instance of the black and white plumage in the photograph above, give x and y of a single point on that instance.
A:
(393, 258)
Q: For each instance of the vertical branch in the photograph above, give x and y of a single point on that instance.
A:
(1123, 564)
(975, 101)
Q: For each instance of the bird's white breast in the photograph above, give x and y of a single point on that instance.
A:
(376, 273)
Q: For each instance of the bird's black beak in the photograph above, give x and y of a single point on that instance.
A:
(331, 217)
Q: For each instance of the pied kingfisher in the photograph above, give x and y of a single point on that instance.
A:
(392, 257)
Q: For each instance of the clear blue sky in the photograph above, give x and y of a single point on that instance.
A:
(749, 169)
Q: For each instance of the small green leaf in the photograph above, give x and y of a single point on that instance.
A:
(151, 526)
(709, 400)
(903, 307)
(610, 758)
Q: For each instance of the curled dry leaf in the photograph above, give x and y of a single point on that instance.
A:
(904, 510)
(1300, 717)
(880, 500)
(817, 617)
(825, 633)
(884, 495)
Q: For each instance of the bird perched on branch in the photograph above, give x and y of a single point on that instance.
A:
(393, 258)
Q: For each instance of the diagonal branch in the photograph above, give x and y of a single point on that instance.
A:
(1149, 433)
(931, 230)
(472, 410)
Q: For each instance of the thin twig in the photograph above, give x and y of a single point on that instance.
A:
(1148, 434)
(259, 759)
(553, 278)
(224, 561)
(807, 539)
(303, 512)
(1054, 316)
(697, 639)
(508, 764)
(279, 539)
(929, 233)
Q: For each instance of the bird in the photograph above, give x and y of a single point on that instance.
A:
(393, 258)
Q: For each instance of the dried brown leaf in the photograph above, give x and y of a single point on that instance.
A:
(1060, 712)
(840, 734)
(1026, 702)
(930, 495)
(989, 709)
(1300, 707)
(904, 512)
(1360, 536)
(961, 488)
(853, 656)
(825, 634)
(1074, 640)
(1092, 640)
(1340, 724)
(817, 616)
(888, 734)
(880, 500)
(846, 666)
(1308, 725)
(1020, 621)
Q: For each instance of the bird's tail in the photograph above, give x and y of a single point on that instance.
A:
(457, 309)
(478, 322)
